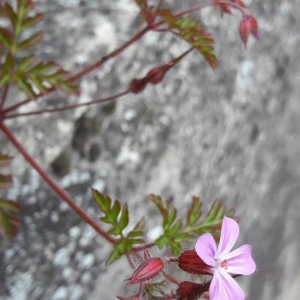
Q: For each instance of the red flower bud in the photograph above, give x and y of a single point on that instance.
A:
(189, 290)
(137, 85)
(248, 25)
(156, 75)
(190, 262)
(147, 270)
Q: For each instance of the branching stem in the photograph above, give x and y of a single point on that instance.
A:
(61, 193)
(67, 107)
(85, 71)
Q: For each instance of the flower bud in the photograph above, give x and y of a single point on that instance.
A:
(190, 262)
(147, 270)
(136, 86)
(248, 25)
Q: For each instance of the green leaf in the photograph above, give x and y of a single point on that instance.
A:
(174, 229)
(161, 242)
(5, 160)
(194, 213)
(30, 42)
(5, 182)
(11, 15)
(193, 32)
(26, 87)
(32, 21)
(5, 37)
(124, 219)
(4, 79)
(8, 222)
(26, 62)
(114, 255)
(138, 229)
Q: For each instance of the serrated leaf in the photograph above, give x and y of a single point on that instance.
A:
(67, 86)
(9, 62)
(4, 79)
(138, 229)
(26, 87)
(42, 68)
(114, 255)
(141, 3)
(11, 15)
(26, 62)
(30, 42)
(179, 238)
(115, 210)
(5, 37)
(32, 21)
(8, 222)
(102, 202)
(161, 242)
(175, 247)
(124, 219)
(174, 229)
(136, 241)
(5, 160)
(5, 182)
(193, 32)
(170, 219)
(38, 82)
(194, 213)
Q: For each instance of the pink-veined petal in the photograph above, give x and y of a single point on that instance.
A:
(224, 287)
(229, 234)
(240, 261)
(206, 248)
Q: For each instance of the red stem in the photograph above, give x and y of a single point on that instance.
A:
(85, 71)
(4, 95)
(62, 194)
(43, 111)
(143, 247)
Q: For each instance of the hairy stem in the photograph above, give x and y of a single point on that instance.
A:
(61, 193)
(85, 71)
(67, 107)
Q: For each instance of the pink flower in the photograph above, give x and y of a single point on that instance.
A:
(222, 261)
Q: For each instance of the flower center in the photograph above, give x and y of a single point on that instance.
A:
(223, 264)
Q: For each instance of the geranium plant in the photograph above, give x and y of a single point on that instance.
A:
(35, 79)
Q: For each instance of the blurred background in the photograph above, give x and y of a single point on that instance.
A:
(232, 134)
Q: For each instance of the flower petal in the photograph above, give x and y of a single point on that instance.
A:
(206, 248)
(229, 234)
(240, 261)
(224, 287)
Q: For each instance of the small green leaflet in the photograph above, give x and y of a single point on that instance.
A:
(32, 77)
(118, 218)
(8, 208)
(175, 232)
(8, 222)
(193, 32)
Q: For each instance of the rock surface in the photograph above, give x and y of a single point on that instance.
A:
(233, 134)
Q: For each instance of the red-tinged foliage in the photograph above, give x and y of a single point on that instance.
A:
(193, 32)
(190, 262)
(189, 290)
(248, 25)
(147, 270)
(239, 3)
